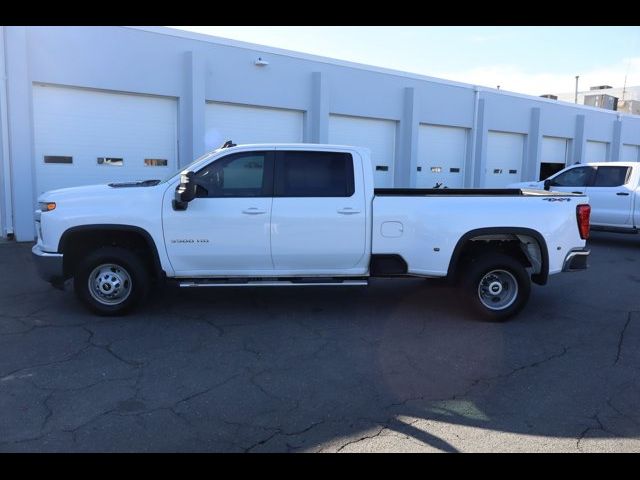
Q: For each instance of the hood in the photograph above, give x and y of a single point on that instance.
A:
(90, 191)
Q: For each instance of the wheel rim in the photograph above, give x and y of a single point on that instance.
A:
(498, 289)
(110, 284)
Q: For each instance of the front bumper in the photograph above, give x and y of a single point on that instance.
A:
(576, 260)
(49, 265)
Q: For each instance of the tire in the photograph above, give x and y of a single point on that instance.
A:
(110, 281)
(497, 285)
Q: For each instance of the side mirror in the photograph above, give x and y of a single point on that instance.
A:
(185, 192)
(548, 183)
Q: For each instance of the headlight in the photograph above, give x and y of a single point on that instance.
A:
(47, 206)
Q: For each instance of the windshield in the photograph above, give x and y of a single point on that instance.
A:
(188, 167)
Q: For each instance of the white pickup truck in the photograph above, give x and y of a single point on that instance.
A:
(612, 188)
(302, 214)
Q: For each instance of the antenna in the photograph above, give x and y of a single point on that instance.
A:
(624, 87)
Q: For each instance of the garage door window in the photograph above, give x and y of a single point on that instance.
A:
(57, 159)
(611, 176)
(156, 162)
(240, 175)
(115, 162)
(314, 174)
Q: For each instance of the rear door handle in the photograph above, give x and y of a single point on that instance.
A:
(347, 211)
(253, 211)
(623, 194)
(577, 192)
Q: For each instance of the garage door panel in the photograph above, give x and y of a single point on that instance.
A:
(441, 156)
(87, 124)
(554, 150)
(377, 135)
(505, 154)
(251, 124)
(596, 151)
(630, 153)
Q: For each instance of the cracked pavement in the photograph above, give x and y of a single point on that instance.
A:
(400, 366)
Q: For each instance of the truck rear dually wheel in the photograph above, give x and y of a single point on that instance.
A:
(498, 286)
(111, 281)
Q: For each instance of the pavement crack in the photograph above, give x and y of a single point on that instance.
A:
(68, 358)
(262, 442)
(203, 392)
(595, 417)
(49, 413)
(366, 437)
(621, 339)
(622, 414)
(253, 381)
(107, 348)
(305, 430)
(477, 381)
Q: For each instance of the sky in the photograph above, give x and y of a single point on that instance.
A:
(531, 60)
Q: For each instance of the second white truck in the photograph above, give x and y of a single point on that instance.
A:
(613, 189)
(302, 214)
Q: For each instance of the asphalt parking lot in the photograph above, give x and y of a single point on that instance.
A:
(400, 366)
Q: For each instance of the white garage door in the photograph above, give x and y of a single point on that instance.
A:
(250, 124)
(441, 155)
(554, 150)
(378, 135)
(505, 153)
(630, 153)
(85, 137)
(596, 151)
(553, 156)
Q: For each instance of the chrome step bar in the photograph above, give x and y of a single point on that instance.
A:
(272, 283)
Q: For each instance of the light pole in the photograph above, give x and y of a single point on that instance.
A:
(576, 97)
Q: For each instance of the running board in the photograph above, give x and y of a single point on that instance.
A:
(320, 282)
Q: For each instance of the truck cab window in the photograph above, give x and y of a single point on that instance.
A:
(576, 177)
(611, 176)
(314, 174)
(237, 175)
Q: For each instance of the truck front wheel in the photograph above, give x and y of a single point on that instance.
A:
(498, 286)
(111, 281)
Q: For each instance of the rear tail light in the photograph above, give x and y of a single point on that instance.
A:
(583, 212)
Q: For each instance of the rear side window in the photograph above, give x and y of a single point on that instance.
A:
(611, 176)
(314, 174)
(576, 177)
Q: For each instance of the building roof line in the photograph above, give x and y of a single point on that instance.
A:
(345, 63)
(292, 53)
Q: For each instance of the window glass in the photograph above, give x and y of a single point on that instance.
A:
(57, 159)
(156, 162)
(239, 175)
(611, 176)
(314, 174)
(118, 162)
(576, 177)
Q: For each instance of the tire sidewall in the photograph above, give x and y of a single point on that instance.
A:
(477, 271)
(119, 256)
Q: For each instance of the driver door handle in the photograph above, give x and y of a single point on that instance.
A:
(577, 192)
(348, 211)
(253, 211)
(625, 194)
